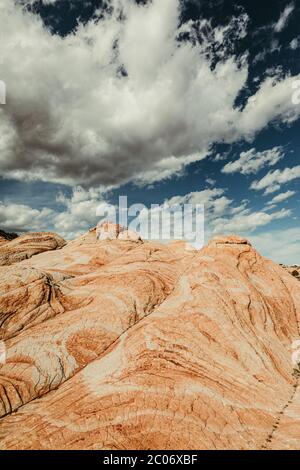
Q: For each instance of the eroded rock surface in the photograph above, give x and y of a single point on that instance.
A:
(149, 346)
(28, 245)
(61, 310)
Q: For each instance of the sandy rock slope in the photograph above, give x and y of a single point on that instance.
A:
(125, 344)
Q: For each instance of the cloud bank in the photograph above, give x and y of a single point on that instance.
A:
(131, 96)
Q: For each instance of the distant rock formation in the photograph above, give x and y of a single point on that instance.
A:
(110, 231)
(293, 270)
(124, 345)
(28, 245)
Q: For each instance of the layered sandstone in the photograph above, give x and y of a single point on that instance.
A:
(28, 245)
(59, 319)
(149, 346)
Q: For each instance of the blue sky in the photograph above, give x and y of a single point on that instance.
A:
(156, 100)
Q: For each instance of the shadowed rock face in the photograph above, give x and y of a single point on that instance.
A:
(149, 346)
(6, 237)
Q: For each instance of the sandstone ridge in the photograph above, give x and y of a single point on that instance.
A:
(120, 343)
(111, 231)
(28, 245)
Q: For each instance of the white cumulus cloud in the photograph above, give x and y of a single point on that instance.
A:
(282, 197)
(284, 18)
(252, 161)
(122, 98)
(21, 218)
(247, 222)
(294, 44)
(273, 180)
(223, 216)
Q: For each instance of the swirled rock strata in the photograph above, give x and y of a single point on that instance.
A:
(126, 344)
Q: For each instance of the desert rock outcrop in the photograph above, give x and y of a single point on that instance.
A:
(63, 319)
(111, 231)
(108, 231)
(294, 271)
(149, 346)
(28, 245)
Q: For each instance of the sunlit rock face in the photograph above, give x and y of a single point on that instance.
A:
(28, 245)
(127, 344)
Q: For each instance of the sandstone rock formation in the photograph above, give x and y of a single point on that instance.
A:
(294, 271)
(108, 231)
(116, 344)
(28, 245)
